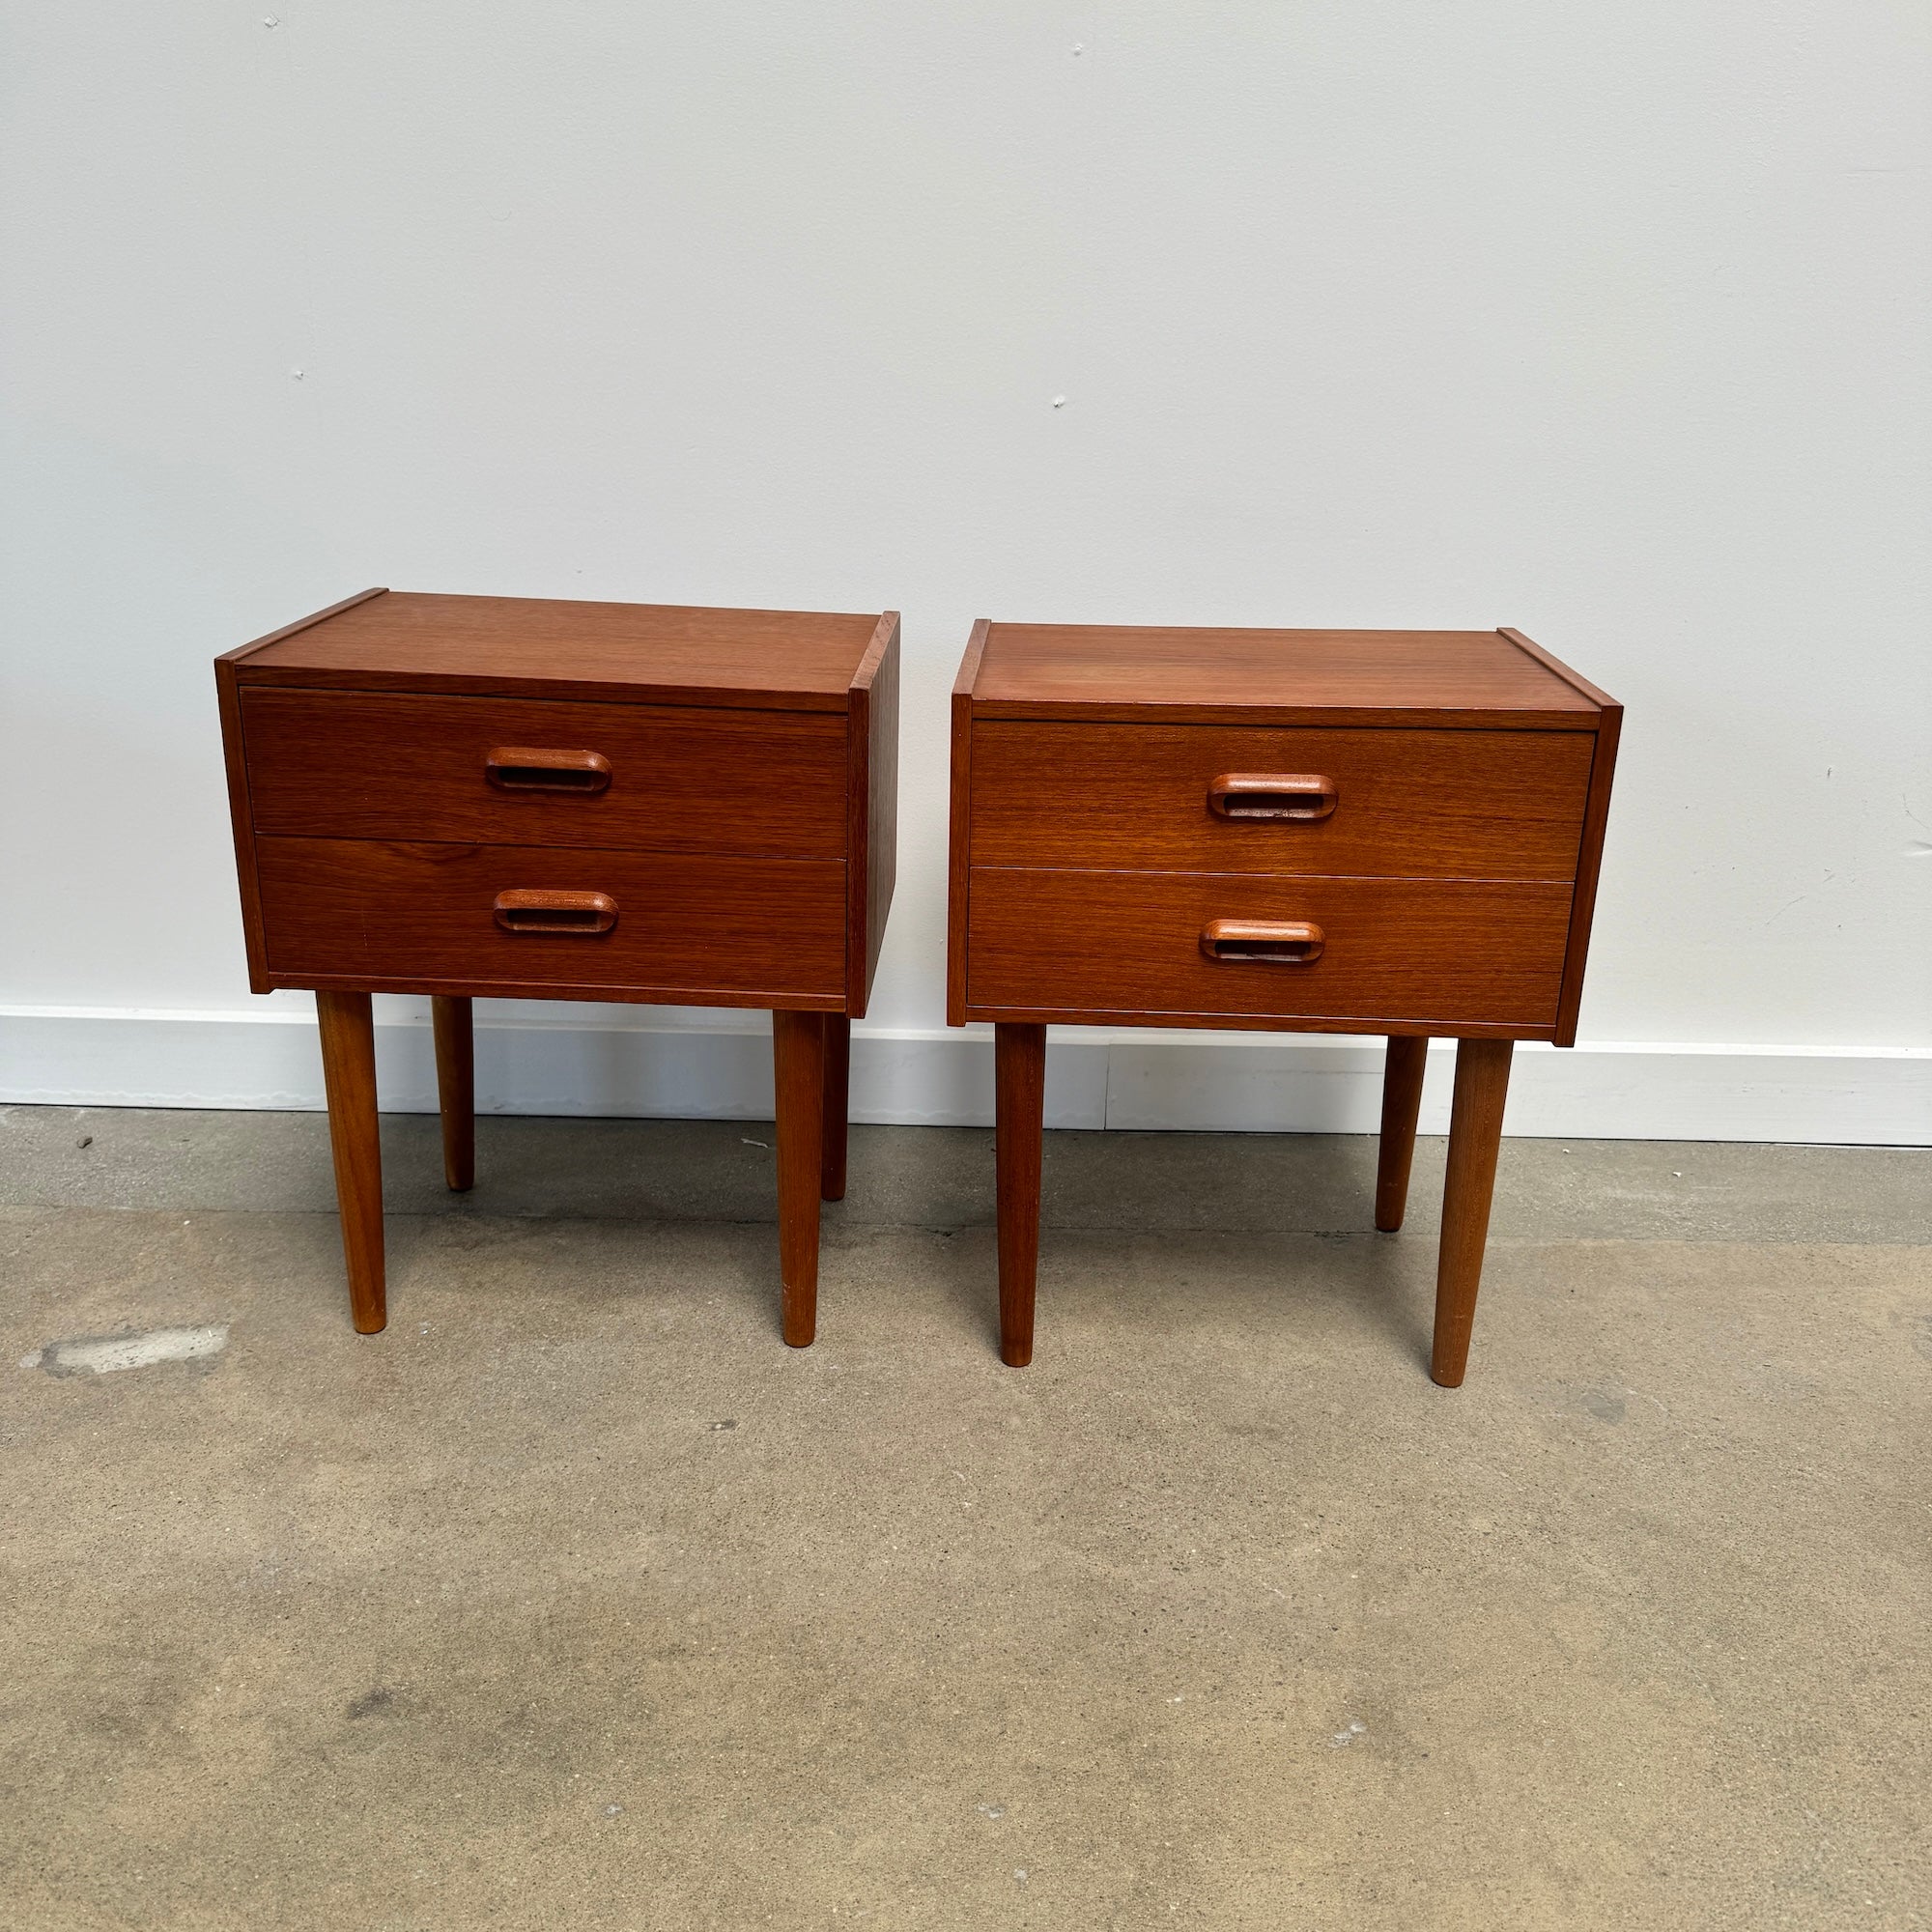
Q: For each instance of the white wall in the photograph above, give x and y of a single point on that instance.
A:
(1608, 321)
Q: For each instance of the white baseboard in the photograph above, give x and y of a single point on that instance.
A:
(609, 1064)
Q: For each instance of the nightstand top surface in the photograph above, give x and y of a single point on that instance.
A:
(1476, 678)
(406, 641)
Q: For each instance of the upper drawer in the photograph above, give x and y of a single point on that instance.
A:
(671, 777)
(1387, 804)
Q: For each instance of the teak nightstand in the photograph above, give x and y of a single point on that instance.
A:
(540, 800)
(1361, 832)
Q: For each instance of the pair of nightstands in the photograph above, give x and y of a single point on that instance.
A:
(1350, 831)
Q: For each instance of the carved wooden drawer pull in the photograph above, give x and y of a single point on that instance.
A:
(1289, 942)
(1298, 795)
(533, 768)
(555, 912)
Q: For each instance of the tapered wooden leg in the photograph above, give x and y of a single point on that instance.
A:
(1020, 1083)
(349, 1078)
(837, 1094)
(1475, 1132)
(1401, 1100)
(798, 1061)
(456, 1090)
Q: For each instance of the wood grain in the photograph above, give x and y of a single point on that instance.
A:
(959, 844)
(1265, 942)
(1475, 1136)
(532, 647)
(461, 795)
(347, 1026)
(683, 779)
(872, 736)
(234, 750)
(1095, 877)
(798, 1065)
(1444, 955)
(1144, 674)
(1020, 1083)
(1576, 680)
(837, 1105)
(1590, 856)
(456, 1088)
(240, 821)
(314, 617)
(1278, 795)
(692, 929)
(1589, 865)
(559, 768)
(1402, 1103)
(1473, 804)
(546, 910)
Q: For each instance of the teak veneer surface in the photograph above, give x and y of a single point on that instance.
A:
(1410, 803)
(871, 797)
(534, 799)
(347, 1026)
(1393, 832)
(399, 916)
(1448, 956)
(1453, 679)
(346, 764)
(522, 646)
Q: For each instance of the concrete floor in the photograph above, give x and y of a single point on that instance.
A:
(576, 1599)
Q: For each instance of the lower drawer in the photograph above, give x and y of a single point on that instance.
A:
(1129, 945)
(710, 930)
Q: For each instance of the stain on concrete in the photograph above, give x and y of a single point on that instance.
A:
(109, 1354)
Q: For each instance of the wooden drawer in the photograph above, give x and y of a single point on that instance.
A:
(676, 778)
(424, 918)
(1448, 953)
(1396, 804)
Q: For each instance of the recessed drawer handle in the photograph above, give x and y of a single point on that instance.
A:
(1288, 942)
(555, 912)
(534, 768)
(1272, 795)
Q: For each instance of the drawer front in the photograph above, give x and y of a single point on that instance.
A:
(1381, 804)
(1454, 953)
(353, 765)
(682, 929)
